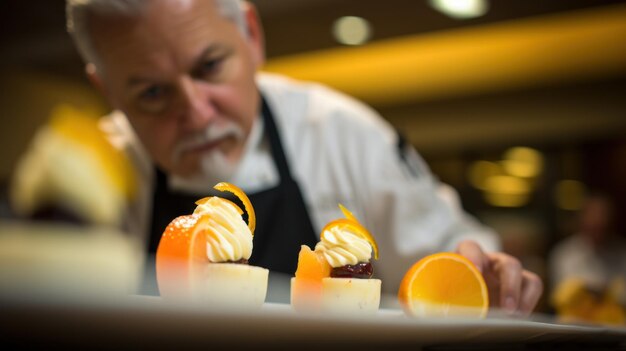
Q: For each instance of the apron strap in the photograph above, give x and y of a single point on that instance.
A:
(276, 146)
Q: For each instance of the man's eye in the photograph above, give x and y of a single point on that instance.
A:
(209, 67)
(153, 99)
(152, 93)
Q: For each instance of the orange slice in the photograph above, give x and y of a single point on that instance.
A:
(306, 290)
(182, 248)
(223, 186)
(444, 285)
(355, 227)
(311, 265)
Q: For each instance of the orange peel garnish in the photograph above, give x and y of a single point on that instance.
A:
(231, 188)
(204, 200)
(356, 227)
(347, 213)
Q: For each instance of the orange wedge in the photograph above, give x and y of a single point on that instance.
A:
(444, 285)
(223, 186)
(306, 290)
(181, 249)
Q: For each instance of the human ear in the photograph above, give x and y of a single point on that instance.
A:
(256, 39)
(94, 78)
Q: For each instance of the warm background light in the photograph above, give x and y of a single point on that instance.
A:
(480, 171)
(510, 181)
(351, 30)
(506, 191)
(482, 59)
(461, 9)
(523, 162)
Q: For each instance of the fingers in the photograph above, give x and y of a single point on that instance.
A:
(532, 288)
(519, 290)
(509, 271)
(472, 251)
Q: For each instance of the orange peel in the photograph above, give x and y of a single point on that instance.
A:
(231, 188)
(348, 214)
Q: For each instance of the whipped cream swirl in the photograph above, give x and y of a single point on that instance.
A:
(227, 235)
(341, 247)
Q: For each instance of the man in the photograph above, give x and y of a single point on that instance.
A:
(192, 110)
(595, 253)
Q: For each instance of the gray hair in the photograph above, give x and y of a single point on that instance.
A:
(79, 11)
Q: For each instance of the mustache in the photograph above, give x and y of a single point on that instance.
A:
(209, 135)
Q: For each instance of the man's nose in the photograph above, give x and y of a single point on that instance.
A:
(198, 106)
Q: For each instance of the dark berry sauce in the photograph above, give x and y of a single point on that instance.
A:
(362, 270)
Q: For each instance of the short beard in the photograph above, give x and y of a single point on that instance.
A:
(214, 165)
(215, 168)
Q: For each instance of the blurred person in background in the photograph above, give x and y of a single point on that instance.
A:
(190, 110)
(588, 269)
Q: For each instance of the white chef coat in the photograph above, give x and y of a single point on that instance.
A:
(576, 257)
(340, 151)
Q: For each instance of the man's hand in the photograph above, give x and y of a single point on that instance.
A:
(511, 287)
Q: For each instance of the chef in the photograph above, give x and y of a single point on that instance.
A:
(191, 109)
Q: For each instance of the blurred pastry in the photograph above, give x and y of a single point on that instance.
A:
(71, 168)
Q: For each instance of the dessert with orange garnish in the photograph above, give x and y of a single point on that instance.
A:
(204, 256)
(73, 171)
(444, 285)
(576, 301)
(336, 276)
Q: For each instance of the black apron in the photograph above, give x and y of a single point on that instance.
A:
(283, 222)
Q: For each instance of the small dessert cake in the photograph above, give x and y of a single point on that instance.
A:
(336, 277)
(203, 257)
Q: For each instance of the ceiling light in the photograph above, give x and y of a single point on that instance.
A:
(507, 184)
(523, 162)
(506, 199)
(351, 30)
(461, 9)
(506, 191)
(480, 171)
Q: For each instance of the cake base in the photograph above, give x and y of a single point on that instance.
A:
(229, 285)
(341, 296)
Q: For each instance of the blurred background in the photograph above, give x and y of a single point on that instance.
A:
(519, 105)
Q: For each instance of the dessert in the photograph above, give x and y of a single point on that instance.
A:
(577, 301)
(74, 172)
(444, 285)
(335, 277)
(203, 256)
